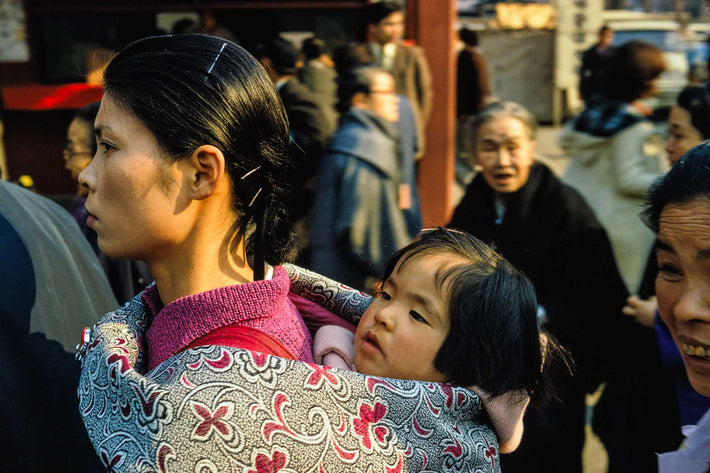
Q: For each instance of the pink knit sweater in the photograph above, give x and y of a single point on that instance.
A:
(263, 305)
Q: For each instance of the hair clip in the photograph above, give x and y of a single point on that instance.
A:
(255, 196)
(209, 71)
(250, 172)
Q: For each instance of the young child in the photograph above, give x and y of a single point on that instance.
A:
(450, 310)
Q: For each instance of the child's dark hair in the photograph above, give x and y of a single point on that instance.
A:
(494, 336)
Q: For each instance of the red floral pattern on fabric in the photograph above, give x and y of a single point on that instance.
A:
(217, 408)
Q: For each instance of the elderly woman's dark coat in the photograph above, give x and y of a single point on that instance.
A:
(550, 233)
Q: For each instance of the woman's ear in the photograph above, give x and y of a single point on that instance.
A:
(206, 171)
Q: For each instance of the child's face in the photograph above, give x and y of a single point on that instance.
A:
(401, 332)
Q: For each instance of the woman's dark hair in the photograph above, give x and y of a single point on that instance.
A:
(87, 114)
(687, 180)
(630, 71)
(696, 100)
(191, 90)
(494, 337)
(353, 81)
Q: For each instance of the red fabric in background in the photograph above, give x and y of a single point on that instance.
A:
(50, 97)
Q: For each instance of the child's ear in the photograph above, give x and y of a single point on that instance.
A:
(206, 168)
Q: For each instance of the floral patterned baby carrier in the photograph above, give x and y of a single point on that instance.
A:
(222, 409)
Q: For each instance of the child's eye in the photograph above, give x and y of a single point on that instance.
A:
(385, 295)
(417, 316)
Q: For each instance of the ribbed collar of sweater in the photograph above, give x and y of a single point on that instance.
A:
(184, 320)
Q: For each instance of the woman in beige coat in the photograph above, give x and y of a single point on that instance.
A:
(615, 154)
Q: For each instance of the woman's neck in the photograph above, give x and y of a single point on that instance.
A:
(205, 262)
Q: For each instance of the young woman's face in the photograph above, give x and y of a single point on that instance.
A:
(683, 285)
(134, 197)
(682, 135)
(401, 332)
(504, 153)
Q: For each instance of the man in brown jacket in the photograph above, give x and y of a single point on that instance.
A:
(384, 28)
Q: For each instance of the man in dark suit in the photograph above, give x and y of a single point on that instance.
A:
(307, 129)
(593, 60)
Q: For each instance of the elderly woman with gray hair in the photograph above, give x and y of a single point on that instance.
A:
(546, 229)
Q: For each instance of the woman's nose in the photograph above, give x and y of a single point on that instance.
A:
(87, 177)
(693, 304)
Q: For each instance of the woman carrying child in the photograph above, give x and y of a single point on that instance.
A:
(204, 371)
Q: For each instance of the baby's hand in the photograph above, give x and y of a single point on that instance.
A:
(643, 310)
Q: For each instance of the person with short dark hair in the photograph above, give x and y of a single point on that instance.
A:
(308, 132)
(472, 83)
(678, 211)
(384, 29)
(613, 160)
(446, 304)
(318, 74)
(659, 378)
(591, 72)
(360, 212)
(547, 230)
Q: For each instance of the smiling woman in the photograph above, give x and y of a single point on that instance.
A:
(679, 213)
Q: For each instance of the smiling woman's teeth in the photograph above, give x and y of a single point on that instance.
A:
(696, 351)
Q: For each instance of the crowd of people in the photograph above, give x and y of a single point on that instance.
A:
(207, 169)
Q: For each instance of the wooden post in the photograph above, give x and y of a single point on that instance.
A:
(433, 28)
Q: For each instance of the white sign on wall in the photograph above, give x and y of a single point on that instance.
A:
(13, 32)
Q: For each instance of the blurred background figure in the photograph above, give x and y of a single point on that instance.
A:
(308, 132)
(472, 90)
(656, 376)
(594, 59)
(615, 153)
(51, 287)
(359, 218)
(546, 229)
(384, 29)
(185, 26)
(80, 149)
(127, 277)
(318, 74)
(210, 26)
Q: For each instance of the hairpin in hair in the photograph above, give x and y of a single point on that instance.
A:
(250, 173)
(255, 196)
(209, 71)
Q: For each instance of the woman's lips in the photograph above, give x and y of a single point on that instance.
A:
(91, 220)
